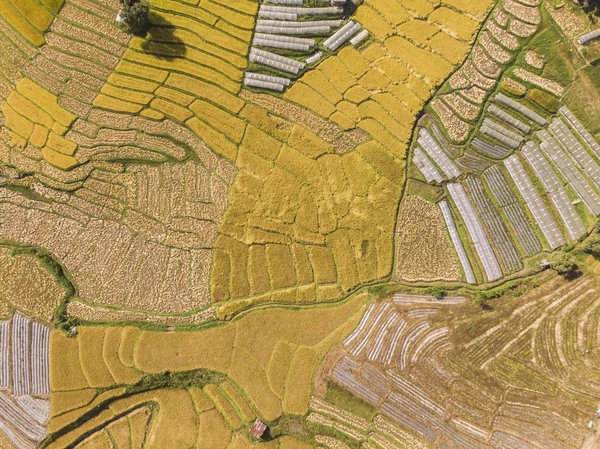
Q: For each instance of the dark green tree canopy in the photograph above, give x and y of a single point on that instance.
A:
(592, 245)
(563, 263)
(590, 6)
(135, 16)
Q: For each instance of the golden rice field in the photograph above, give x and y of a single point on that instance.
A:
(209, 254)
(30, 18)
(33, 116)
(334, 145)
(269, 357)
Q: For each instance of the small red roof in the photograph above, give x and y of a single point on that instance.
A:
(258, 428)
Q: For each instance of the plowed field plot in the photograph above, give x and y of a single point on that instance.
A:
(24, 380)
(442, 384)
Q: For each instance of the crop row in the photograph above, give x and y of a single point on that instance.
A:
(534, 202)
(502, 192)
(495, 228)
(555, 190)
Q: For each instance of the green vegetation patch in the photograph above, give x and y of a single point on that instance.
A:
(426, 191)
(347, 401)
(544, 100)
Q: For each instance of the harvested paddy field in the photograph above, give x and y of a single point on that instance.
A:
(299, 224)
(208, 198)
(519, 376)
(424, 252)
(28, 282)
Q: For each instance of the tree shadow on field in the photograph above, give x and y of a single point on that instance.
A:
(160, 39)
(573, 275)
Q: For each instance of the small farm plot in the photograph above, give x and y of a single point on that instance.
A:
(30, 18)
(555, 190)
(476, 231)
(85, 106)
(423, 251)
(514, 207)
(459, 110)
(567, 167)
(457, 242)
(27, 285)
(34, 117)
(434, 151)
(290, 37)
(502, 193)
(167, 193)
(534, 202)
(494, 227)
(24, 380)
(377, 86)
(55, 86)
(393, 336)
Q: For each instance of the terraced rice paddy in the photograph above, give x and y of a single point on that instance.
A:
(105, 108)
(30, 18)
(209, 224)
(175, 418)
(494, 388)
(269, 362)
(522, 170)
(171, 100)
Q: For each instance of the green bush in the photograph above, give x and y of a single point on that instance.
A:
(591, 245)
(544, 100)
(481, 299)
(483, 296)
(436, 291)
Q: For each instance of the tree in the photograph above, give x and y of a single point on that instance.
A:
(436, 291)
(590, 6)
(134, 17)
(481, 300)
(592, 245)
(563, 263)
